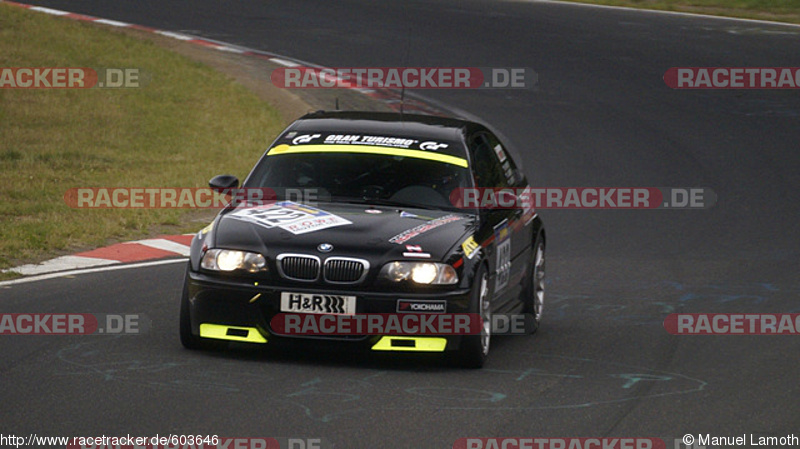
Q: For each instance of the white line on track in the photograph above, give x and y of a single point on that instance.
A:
(54, 12)
(113, 23)
(164, 244)
(284, 62)
(179, 36)
(660, 11)
(61, 264)
(90, 270)
(230, 49)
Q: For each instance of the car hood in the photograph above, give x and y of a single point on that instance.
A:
(375, 233)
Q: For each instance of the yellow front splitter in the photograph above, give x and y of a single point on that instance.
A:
(231, 333)
(419, 344)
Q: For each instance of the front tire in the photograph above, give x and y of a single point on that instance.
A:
(533, 294)
(475, 348)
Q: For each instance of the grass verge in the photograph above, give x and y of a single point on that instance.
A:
(776, 10)
(185, 125)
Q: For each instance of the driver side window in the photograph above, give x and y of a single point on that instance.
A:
(487, 168)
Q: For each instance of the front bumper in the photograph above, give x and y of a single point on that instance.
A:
(241, 310)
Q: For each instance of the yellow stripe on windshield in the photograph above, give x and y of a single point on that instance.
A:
(368, 149)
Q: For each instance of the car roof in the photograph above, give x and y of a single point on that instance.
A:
(385, 123)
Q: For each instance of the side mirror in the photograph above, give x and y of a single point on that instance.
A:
(223, 182)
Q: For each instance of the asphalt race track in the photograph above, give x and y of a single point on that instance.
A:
(603, 364)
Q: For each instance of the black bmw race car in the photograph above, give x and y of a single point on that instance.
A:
(365, 219)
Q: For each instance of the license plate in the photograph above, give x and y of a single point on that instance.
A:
(318, 303)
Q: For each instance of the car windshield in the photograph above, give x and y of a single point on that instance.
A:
(362, 178)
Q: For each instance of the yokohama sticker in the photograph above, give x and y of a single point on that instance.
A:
(413, 306)
(292, 217)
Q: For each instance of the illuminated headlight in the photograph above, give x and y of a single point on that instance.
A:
(231, 260)
(428, 273)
